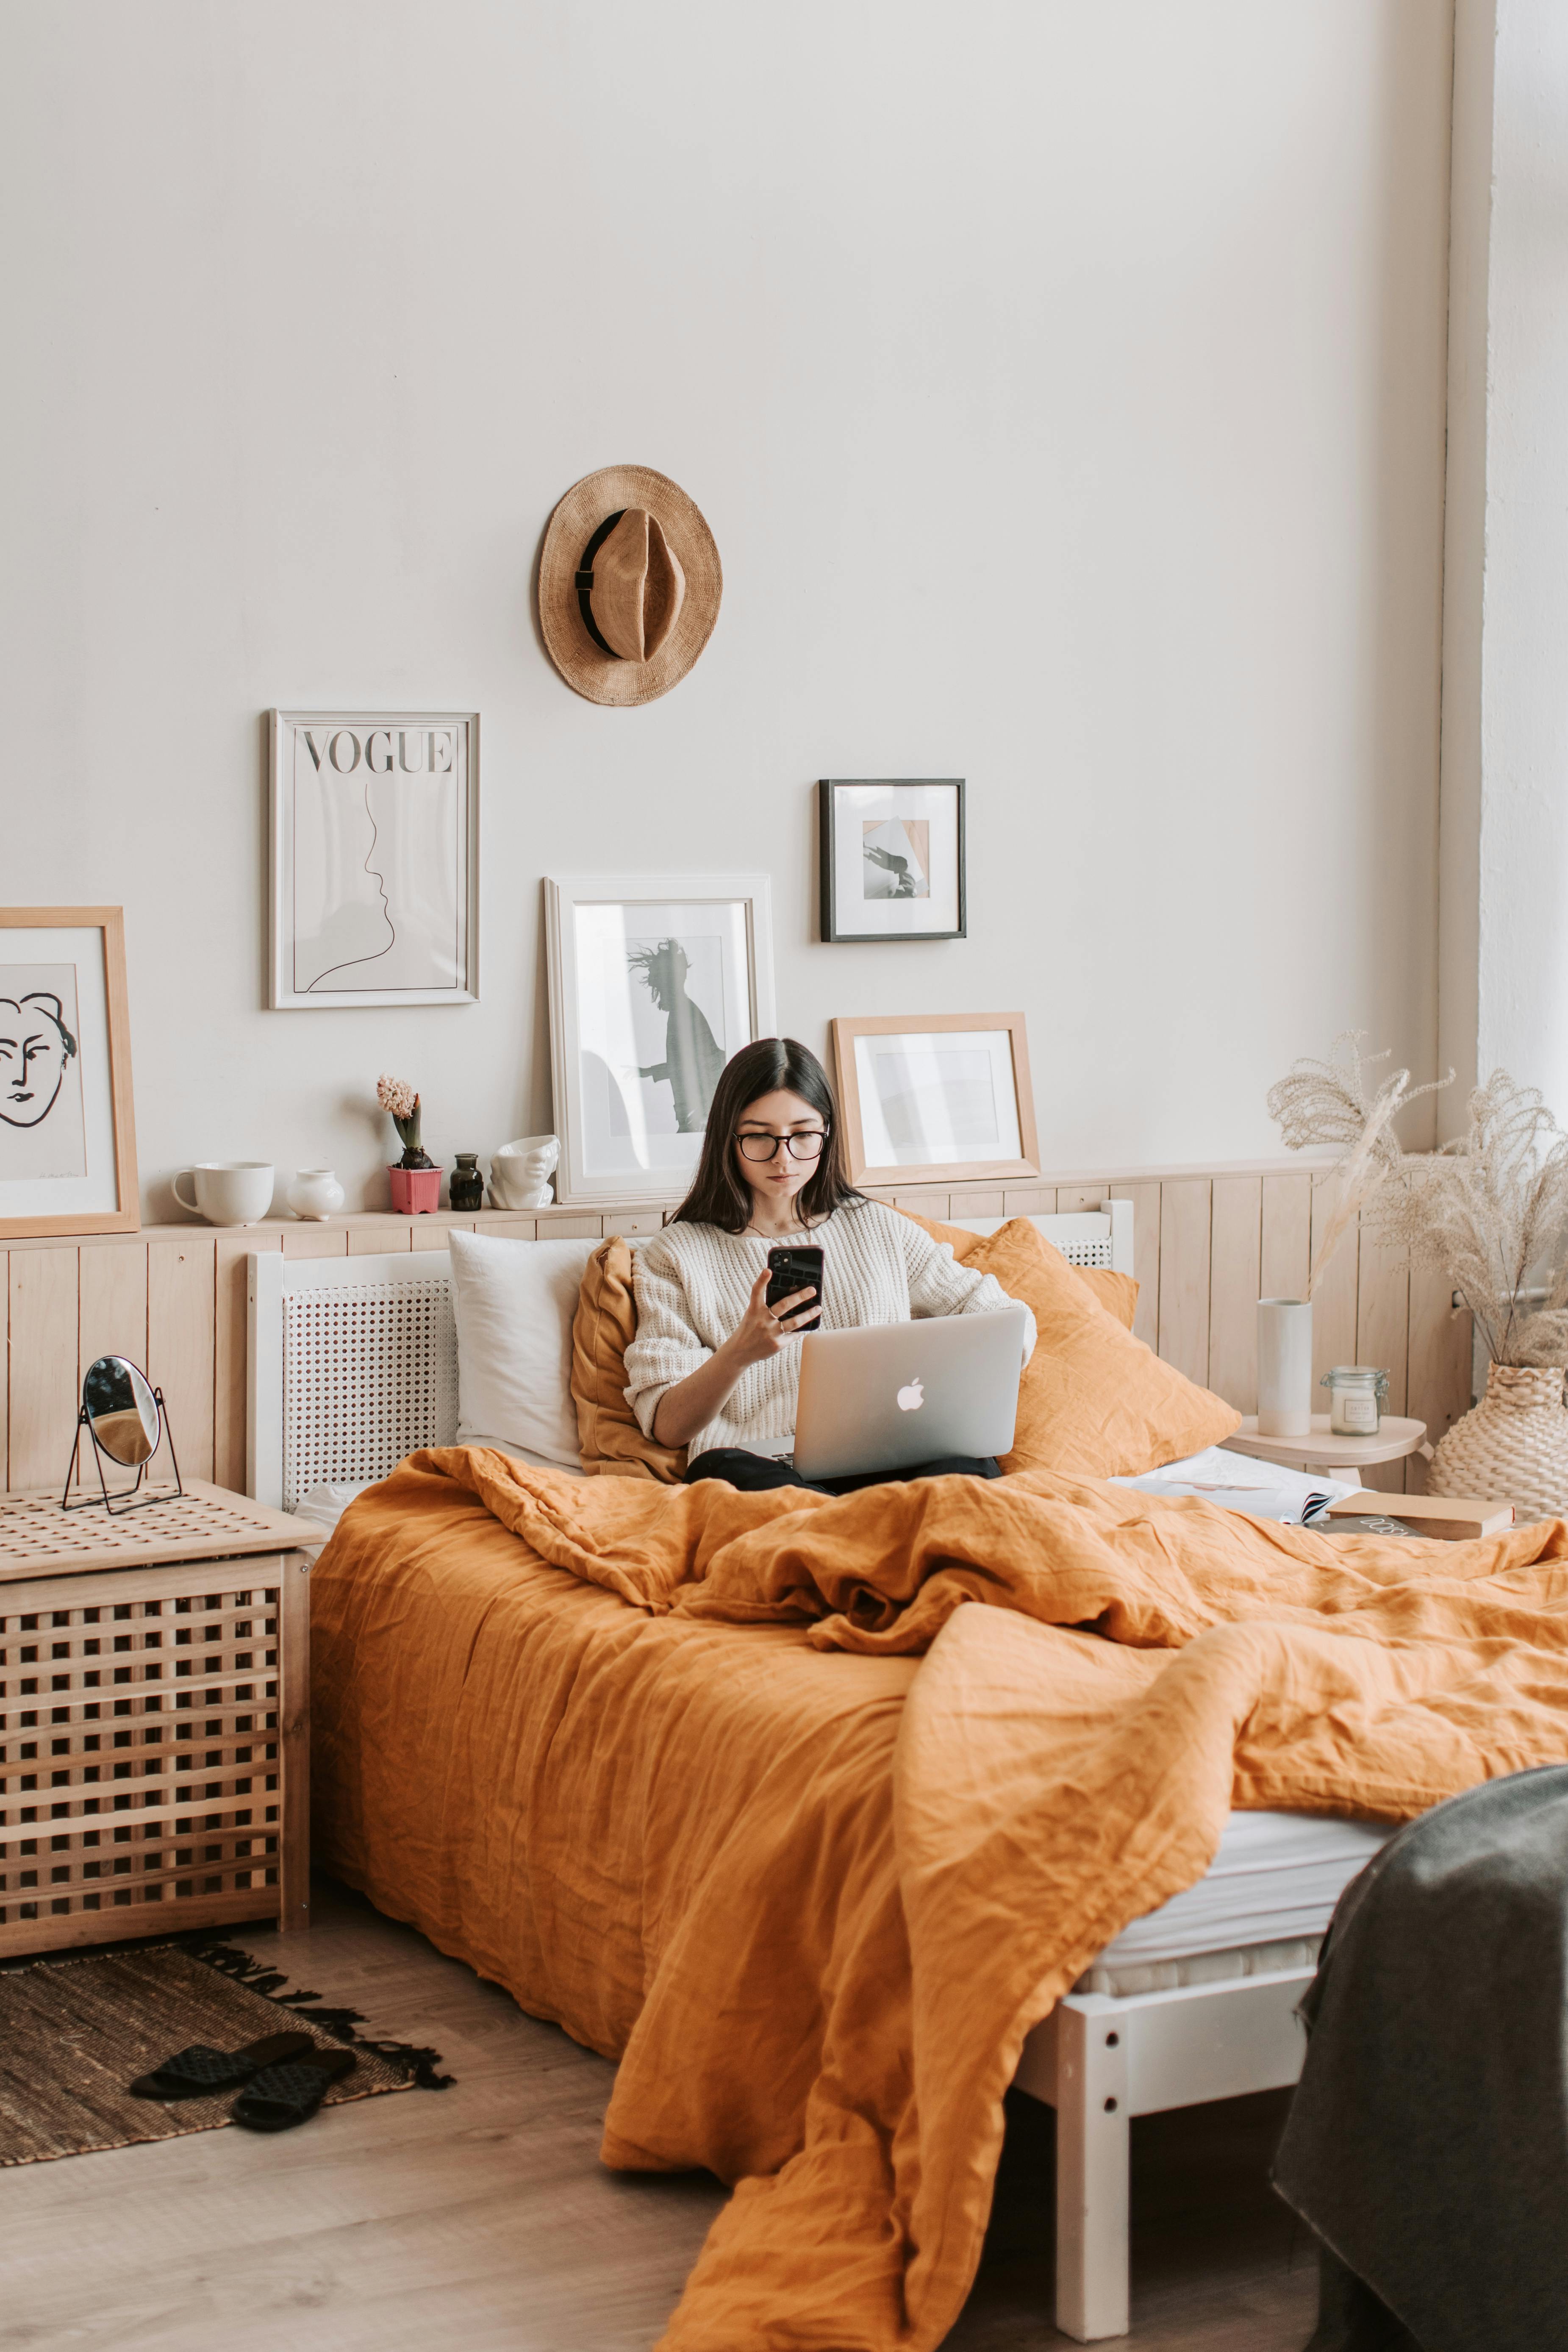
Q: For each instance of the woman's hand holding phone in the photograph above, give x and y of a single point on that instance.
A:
(763, 1331)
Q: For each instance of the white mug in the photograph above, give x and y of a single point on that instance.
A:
(228, 1191)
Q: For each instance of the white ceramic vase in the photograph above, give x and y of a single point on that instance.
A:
(315, 1194)
(1284, 1368)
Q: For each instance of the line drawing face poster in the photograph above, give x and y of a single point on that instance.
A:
(42, 1126)
(373, 843)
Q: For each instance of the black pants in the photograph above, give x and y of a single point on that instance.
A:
(753, 1473)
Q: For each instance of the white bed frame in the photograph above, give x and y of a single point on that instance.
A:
(353, 1364)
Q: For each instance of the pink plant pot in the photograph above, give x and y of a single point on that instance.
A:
(416, 1191)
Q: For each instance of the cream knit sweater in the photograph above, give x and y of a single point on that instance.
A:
(694, 1282)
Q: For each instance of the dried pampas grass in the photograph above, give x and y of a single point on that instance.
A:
(1489, 1209)
(1492, 1209)
(1319, 1104)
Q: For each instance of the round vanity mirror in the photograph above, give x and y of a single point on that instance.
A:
(122, 1410)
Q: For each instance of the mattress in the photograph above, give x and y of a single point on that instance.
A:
(1265, 1902)
(326, 1505)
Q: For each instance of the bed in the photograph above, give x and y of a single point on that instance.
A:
(353, 1368)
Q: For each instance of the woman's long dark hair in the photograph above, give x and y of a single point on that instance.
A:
(719, 1194)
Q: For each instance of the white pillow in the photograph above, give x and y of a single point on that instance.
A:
(513, 1303)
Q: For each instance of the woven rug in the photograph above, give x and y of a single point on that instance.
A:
(73, 2033)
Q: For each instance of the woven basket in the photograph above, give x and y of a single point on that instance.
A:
(1512, 1445)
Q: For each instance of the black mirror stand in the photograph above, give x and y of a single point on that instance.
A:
(117, 1505)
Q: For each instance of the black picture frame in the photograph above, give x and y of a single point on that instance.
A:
(833, 920)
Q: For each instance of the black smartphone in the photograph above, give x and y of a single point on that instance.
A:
(795, 1266)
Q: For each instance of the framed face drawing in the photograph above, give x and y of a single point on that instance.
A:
(68, 1133)
(376, 888)
(891, 859)
(945, 1098)
(655, 983)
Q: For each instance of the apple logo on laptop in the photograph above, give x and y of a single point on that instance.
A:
(911, 1399)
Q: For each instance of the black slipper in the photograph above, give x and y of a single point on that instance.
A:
(290, 2094)
(199, 2072)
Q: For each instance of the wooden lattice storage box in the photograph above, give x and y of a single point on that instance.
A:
(154, 1725)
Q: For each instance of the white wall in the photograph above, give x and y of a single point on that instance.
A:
(1063, 387)
(1505, 749)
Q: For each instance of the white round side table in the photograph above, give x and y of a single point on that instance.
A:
(1327, 1456)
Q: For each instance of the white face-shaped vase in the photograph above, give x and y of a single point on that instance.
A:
(520, 1171)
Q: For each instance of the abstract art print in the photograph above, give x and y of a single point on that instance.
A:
(946, 1099)
(68, 1146)
(654, 985)
(891, 860)
(374, 857)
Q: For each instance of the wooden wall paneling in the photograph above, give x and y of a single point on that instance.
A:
(1382, 1338)
(977, 1200)
(181, 1301)
(381, 1241)
(1287, 1240)
(1074, 1200)
(315, 1241)
(556, 1229)
(426, 1236)
(230, 1342)
(111, 1310)
(1334, 1300)
(1145, 1200)
(1029, 1201)
(1186, 1213)
(1440, 1374)
(42, 1291)
(1234, 1263)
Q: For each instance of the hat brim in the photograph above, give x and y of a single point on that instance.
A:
(585, 666)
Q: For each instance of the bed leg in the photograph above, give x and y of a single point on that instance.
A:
(1092, 2155)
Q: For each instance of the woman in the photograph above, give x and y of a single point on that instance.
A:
(712, 1367)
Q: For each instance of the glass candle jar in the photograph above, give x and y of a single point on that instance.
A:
(1357, 1395)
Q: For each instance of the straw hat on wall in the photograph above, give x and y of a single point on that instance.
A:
(629, 583)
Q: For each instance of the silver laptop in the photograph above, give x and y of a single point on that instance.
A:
(892, 1394)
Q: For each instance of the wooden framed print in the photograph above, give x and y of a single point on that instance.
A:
(655, 982)
(375, 857)
(946, 1100)
(67, 1131)
(891, 859)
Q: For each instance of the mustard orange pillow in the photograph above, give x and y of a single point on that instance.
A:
(1117, 1293)
(1094, 1402)
(602, 1328)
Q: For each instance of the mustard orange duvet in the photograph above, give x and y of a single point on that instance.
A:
(744, 1791)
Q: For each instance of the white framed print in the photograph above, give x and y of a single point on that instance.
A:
(375, 857)
(891, 859)
(942, 1100)
(655, 983)
(67, 1131)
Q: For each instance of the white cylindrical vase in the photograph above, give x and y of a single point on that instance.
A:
(1284, 1368)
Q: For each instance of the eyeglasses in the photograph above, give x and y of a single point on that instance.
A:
(799, 1147)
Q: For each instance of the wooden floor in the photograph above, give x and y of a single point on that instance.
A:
(480, 2218)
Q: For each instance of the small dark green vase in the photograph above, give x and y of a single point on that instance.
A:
(467, 1187)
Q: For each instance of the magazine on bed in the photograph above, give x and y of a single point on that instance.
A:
(1236, 1482)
